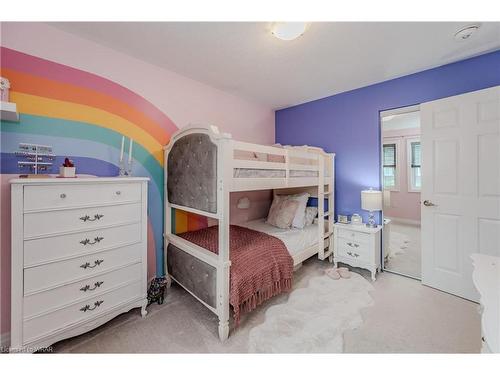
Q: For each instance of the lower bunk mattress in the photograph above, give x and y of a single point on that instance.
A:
(295, 240)
(261, 267)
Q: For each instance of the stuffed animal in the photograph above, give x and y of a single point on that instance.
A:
(156, 290)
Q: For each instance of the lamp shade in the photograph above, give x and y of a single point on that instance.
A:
(371, 200)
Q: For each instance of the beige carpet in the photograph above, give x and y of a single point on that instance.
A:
(406, 317)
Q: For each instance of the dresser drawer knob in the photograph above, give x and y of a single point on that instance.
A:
(63, 195)
(88, 242)
(88, 218)
(97, 262)
(88, 308)
(88, 287)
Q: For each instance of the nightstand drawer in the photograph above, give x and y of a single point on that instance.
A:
(353, 235)
(352, 249)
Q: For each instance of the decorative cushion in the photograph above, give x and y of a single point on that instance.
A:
(311, 213)
(282, 211)
(300, 215)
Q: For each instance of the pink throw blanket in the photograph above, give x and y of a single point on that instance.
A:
(261, 266)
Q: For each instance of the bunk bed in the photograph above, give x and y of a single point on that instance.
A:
(202, 167)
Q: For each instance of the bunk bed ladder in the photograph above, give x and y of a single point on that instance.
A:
(325, 219)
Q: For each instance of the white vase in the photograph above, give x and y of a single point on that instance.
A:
(67, 171)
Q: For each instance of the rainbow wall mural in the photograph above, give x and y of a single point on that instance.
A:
(83, 116)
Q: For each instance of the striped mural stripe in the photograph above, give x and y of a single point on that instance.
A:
(15, 60)
(43, 87)
(38, 106)
(84, 116)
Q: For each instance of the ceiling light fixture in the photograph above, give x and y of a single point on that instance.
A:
(466, 32)
(288, 30)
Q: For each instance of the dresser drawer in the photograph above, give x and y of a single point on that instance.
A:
(353, 250)
(52, 248)
(353, 235)
(53, 299)
(69, 195)
(62, 318)
(56, 274)
(82, 219)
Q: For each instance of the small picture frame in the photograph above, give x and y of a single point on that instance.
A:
(343, 219)
(356, 219)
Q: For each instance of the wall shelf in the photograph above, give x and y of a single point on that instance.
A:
(8, 112)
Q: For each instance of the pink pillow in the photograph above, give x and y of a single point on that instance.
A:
(282, 211)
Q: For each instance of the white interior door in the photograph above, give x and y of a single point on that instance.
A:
(460, 187)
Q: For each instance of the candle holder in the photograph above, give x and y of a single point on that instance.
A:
(125, 168)
(129, 168)
(121, 173)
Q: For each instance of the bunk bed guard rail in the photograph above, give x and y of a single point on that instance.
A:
(192, 173)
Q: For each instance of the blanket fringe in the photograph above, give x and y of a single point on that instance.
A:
(261, 296)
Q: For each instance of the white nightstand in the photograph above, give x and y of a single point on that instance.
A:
(358, 246)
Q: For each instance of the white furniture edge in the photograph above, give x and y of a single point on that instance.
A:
(487, 281)
(17, 267)
(226, 183)
(375, 244)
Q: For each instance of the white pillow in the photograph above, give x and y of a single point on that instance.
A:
(282, 211)
(299, 221)
(311, 213)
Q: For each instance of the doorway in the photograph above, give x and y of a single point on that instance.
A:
(402, 183)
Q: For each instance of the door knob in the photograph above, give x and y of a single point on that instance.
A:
(429, 203)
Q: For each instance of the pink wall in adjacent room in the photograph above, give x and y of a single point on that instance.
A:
(184, 100)
(404, 204)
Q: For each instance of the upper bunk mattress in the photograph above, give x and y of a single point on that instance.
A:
(294, 239)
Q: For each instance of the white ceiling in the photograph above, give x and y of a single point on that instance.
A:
(409, 120)
(331, 57)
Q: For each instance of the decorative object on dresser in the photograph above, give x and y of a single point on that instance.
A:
(126, 170)
(486, 278)
(371, 200)
(344, 219)
(68, 169)
(358, 246)
(37, 158)
(79, 249)
(356, 219)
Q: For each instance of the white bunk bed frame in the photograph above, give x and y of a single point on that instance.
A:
(319, 186)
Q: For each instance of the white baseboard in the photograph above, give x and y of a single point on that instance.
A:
(403, 221)
(4, 342)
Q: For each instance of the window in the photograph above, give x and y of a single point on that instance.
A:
(390, 166)
(414, 165)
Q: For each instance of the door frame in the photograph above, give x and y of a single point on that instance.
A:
(385, 113)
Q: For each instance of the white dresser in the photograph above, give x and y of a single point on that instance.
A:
(486, 278)
(79, 256)
(358, 246)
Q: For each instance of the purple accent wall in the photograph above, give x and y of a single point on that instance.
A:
(348, 123)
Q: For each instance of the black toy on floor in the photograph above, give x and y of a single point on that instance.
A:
(156, 290)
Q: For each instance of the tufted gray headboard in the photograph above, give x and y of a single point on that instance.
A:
(192, 173)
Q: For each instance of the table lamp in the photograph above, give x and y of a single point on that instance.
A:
(371, 200)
